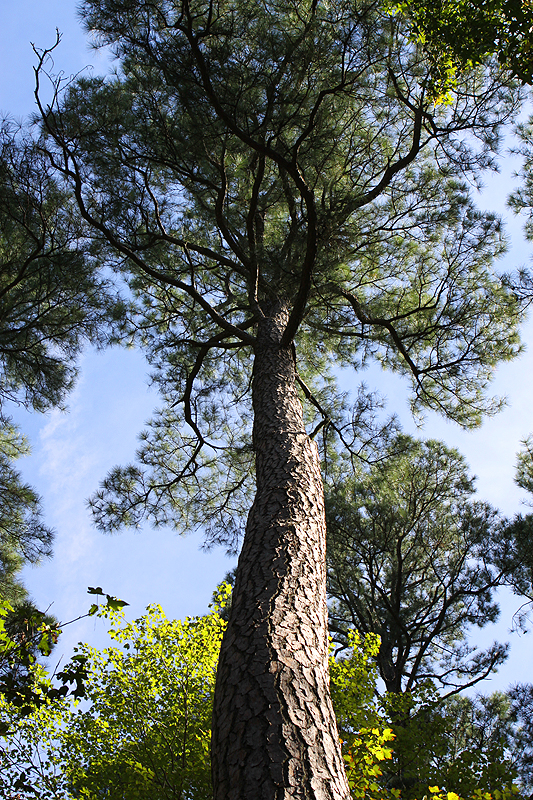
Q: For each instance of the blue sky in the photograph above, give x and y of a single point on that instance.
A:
(73, 451)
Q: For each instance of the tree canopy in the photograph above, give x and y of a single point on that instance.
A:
(52, 300)
(371, 235)
(465, 33)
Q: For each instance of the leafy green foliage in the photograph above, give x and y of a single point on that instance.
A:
(362, 726)
(112, 603)
(28, 768)
(459, 34)
(27, 634)
(146, 732)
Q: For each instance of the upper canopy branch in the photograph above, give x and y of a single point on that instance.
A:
(70, 168)
(178, 241)
(366, 319)
(395, 167)
(290, 166)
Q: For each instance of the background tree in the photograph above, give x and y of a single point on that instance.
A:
(51, 302)
(520, 529)
(411, 558)
(521, 715)
(461, 744)
(24, 538)
(25, 635)
(514, 550)
(277, 183)
(483, 744)
(515, 558)
(414, 559)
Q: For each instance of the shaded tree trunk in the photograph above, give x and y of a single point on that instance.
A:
(274, 729)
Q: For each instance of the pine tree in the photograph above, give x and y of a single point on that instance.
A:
(414, 558)
(283, 194)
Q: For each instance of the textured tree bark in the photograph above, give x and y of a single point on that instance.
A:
(274, 729)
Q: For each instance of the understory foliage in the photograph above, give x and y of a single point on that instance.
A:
(143, 730)
(146, 731)
(461, 743)
(25, 635)
(363, 729)
(28, 635)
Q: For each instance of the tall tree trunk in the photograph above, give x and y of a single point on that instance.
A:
(274, 729)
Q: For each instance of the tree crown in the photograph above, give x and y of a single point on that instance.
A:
(244, 156)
